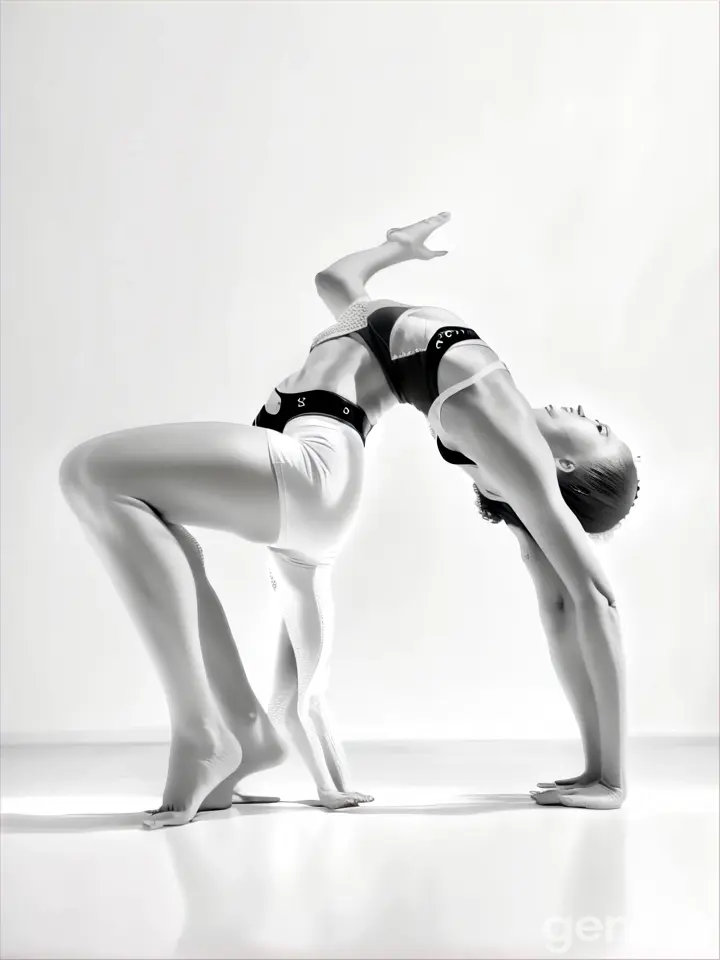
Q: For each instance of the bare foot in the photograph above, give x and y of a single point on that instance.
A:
(360, 797)
(581, 781)
(593, 796)
(415, 235)
(334, 800)
(262, 749)
(196, 766)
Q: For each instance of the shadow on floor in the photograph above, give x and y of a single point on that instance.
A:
(463, 805)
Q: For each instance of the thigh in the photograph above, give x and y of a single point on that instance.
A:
(215, 475)
(319, 464)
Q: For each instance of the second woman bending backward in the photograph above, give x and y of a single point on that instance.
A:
(552, 474)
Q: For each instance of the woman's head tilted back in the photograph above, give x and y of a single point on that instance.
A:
(596, 471)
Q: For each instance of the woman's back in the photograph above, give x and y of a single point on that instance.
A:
(344, 366)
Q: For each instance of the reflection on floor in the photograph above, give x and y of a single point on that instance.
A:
(452, 860)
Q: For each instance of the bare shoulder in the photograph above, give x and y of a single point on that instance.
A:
(495, 420)
(499, 433)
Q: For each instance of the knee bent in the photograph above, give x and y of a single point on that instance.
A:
(83, 475)
(73, 475)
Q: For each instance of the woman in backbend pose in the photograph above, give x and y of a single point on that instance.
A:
(293, 481)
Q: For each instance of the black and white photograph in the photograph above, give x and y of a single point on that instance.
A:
(359, 473)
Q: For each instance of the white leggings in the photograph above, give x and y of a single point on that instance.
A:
(319, 468)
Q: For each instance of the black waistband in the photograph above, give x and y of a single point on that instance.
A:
(413, 378)
(309, 402)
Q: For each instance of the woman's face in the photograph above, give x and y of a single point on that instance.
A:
(574, 437)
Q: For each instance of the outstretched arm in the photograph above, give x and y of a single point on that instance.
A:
(344, 281)
(283, 710)
(559, 622)
(518, 462)
(298, 702)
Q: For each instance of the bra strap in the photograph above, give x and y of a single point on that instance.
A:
(434, 412)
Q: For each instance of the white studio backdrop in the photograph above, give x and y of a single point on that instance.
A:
(174, 175)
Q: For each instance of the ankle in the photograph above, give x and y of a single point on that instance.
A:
(614, 779)
(199, 731)
(244, 719)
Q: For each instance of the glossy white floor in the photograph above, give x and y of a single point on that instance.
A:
(452, 860)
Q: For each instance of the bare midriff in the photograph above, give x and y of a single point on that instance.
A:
(345, 366)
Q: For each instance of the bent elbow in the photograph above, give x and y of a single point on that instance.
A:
(325, 280)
